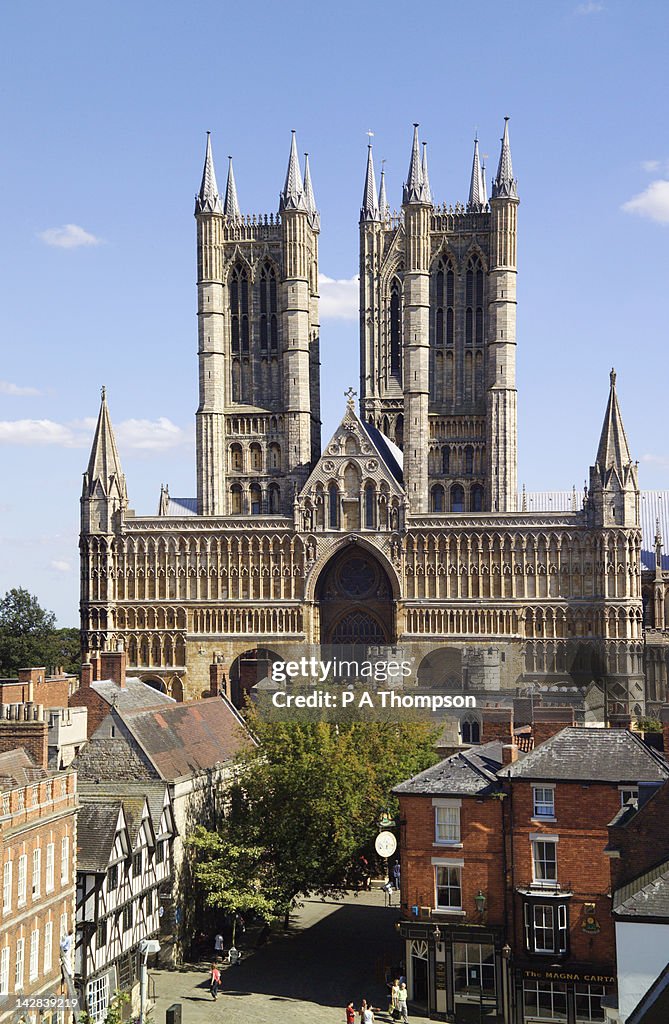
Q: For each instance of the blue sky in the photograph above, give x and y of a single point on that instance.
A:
(104, 114)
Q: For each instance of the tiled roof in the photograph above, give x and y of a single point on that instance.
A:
(463, 774)
(591, 755)
(17, 769)
(184, 739)
(135, 694)
(96, 828)
(647, 896)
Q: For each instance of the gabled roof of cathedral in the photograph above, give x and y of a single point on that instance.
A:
(231, 203)
(292, 197)
(208, 199)
(104, 464)
(504, 185)
(370, 442)
(613, 451)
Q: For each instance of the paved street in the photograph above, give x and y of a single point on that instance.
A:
(333, 952)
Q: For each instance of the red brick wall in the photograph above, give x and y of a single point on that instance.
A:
(98, 709)
(481, 836)
(643, 842)
(32, 736)
(582, 814)
(45, 820)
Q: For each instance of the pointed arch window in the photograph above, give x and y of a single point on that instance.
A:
(370, 506)
(333, 506)
(235, 500)
(442, 303)
(437, 499)
(268, 310)
(395, 329)
(274, 499)
(457, 498)
(477, 498)
(256, 499)
(239, 309)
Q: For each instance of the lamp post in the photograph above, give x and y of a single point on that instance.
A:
(507, 954)
(146, 946)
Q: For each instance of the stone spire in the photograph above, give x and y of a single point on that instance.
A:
(384, 209)
(104, 476)
(292, 197)
(369, 211)
(504, 185)
(231, 204)
(484, 190)
(208, 199)
(613, 451)
(426, 180)
(414, 191)
(309, 197)
(475, 199)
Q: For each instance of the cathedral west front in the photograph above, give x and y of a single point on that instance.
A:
(405, 531)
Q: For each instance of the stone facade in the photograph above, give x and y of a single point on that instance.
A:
(406, 531)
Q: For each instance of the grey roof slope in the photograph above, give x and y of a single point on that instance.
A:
(591, 755)
(135, 694)
(389, 452)
(96, 828)
(463, 774)
(109, 790)
(644, 897)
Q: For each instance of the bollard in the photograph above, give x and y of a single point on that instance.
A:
(173, 1014)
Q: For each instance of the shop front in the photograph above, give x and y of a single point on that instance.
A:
(562, 994)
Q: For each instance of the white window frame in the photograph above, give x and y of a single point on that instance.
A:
(546, 987)
(4, 970)
(50, 857)
(18, 967)
(7, 886)
(628, 793)
(37, 873)
(33, 963)
(48, 946)
(63, 925)
(455, 865)
(535, 839)
(22, 883)
(591, 997)
(64, 860)
(97, 998)
(543, 809)
(454, 806)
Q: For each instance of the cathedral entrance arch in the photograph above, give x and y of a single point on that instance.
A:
(247, 670)
(354, 597)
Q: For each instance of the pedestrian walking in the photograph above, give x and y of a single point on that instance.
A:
(396, 874)
(366, 1013)
(402, 1003)
(214, 981)
(219, 945)
(395, 999)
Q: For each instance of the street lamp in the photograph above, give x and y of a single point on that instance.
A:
(146, 946)
(480, 900)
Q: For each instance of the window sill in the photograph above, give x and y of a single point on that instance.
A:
(451, 910)
(548, 886)
(539, 819)
(448, 845)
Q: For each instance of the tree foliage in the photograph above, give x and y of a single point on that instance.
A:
(308, 803)
(29, 637)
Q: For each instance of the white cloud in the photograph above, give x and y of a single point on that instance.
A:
(131, 435)
(339, 298)
(59, 565)
(653, 202)
(7, 388)
(69, 236)
(650, 165)
(590, 7)
(656, 460)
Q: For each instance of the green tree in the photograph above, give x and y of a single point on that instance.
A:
(308, 803)
(29, 638)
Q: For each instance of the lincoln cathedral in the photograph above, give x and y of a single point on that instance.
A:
(406, 531)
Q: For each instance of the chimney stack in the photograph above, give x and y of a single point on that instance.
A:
(548, 721)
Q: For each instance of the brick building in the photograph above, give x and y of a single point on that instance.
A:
(104, 686)
(37, 851)
(505, 876)
(33, 684)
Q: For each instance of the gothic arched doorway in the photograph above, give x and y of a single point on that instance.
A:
(355, 600)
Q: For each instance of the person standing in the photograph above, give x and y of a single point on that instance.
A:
(219, 945)
(395, 999)
(396, 874)
(402, 1003)
(214, 981)
(350, 1013)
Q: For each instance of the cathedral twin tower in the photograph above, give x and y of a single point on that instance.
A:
(437, 340)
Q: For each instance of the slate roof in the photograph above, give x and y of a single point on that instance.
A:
(185, 739)
(119, 757)
(113, 790)
(135, 693)
(96, 828)
(389, 452)
(17, 769)
(463, 774)
(182, 507)
(646, 896)
(591, 755)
